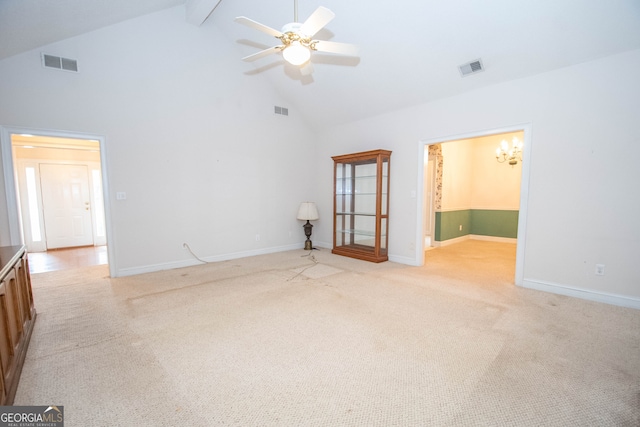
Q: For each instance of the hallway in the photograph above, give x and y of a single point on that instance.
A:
(66, 259)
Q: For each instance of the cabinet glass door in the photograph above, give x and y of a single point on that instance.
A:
(361, 204)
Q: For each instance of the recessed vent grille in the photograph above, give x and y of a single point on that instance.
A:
(281, 110)
(59, 63)
(471, 68)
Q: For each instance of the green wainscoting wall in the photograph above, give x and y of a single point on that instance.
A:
(483, 222)
(448, 224)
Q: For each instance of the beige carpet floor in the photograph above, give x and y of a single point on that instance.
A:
(325, 340)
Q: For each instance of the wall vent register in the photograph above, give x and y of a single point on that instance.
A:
(472, 67)
(59, 63)
(281, 110)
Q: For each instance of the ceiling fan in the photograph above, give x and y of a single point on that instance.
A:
(297, 41)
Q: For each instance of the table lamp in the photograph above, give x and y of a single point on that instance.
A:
(308, 212)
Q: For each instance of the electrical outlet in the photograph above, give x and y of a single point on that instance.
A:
(599, 269)
(460, 227)
(257, 237)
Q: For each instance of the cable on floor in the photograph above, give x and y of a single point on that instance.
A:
(312, 258)
(186, 246)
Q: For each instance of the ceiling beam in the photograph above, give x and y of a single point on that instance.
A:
(199, 10)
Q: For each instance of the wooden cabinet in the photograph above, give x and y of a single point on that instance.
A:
(17, 317)
(361, 205)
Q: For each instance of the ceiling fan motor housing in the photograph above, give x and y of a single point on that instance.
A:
(292, 27)
(291, 33)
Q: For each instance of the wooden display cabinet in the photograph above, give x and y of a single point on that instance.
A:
(17, 317)
(361, 205)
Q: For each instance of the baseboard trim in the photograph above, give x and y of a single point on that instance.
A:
(404, 260)
(603, 297)
(474, 237)
(443, 243)
(493, 238)
(323, 245)
(216, 258)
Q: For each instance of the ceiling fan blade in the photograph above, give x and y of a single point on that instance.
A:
(306, 69)
(263, 53)
(318, 19)
(333, 47)
(257, 26)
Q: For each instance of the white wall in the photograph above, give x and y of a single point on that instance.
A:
(583, 201)
(191, 138)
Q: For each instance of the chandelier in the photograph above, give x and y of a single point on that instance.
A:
(511, 154)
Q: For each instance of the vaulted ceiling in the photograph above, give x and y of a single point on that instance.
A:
(409, 51)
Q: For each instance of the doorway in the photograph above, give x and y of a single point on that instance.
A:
(473, 201)
(55, 184)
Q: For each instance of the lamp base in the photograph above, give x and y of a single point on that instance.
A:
(307, 232)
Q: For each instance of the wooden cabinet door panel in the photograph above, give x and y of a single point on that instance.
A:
(6, 341)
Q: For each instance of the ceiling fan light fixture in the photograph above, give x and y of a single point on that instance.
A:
(296, 53)
(296, 39)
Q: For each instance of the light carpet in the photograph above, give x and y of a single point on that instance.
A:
(325, 340)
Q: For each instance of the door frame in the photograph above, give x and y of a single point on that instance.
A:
(10, 184)
(429, 205)
(524, 190)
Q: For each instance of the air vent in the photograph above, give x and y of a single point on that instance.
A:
(59, 63)
(471, 68)
(281, 110)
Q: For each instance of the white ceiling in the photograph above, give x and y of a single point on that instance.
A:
(409, 50)
(28, 24)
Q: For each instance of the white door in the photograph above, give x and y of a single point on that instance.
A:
(66, 204)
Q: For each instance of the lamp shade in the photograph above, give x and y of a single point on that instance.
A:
(308, 211)
(296, 53)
